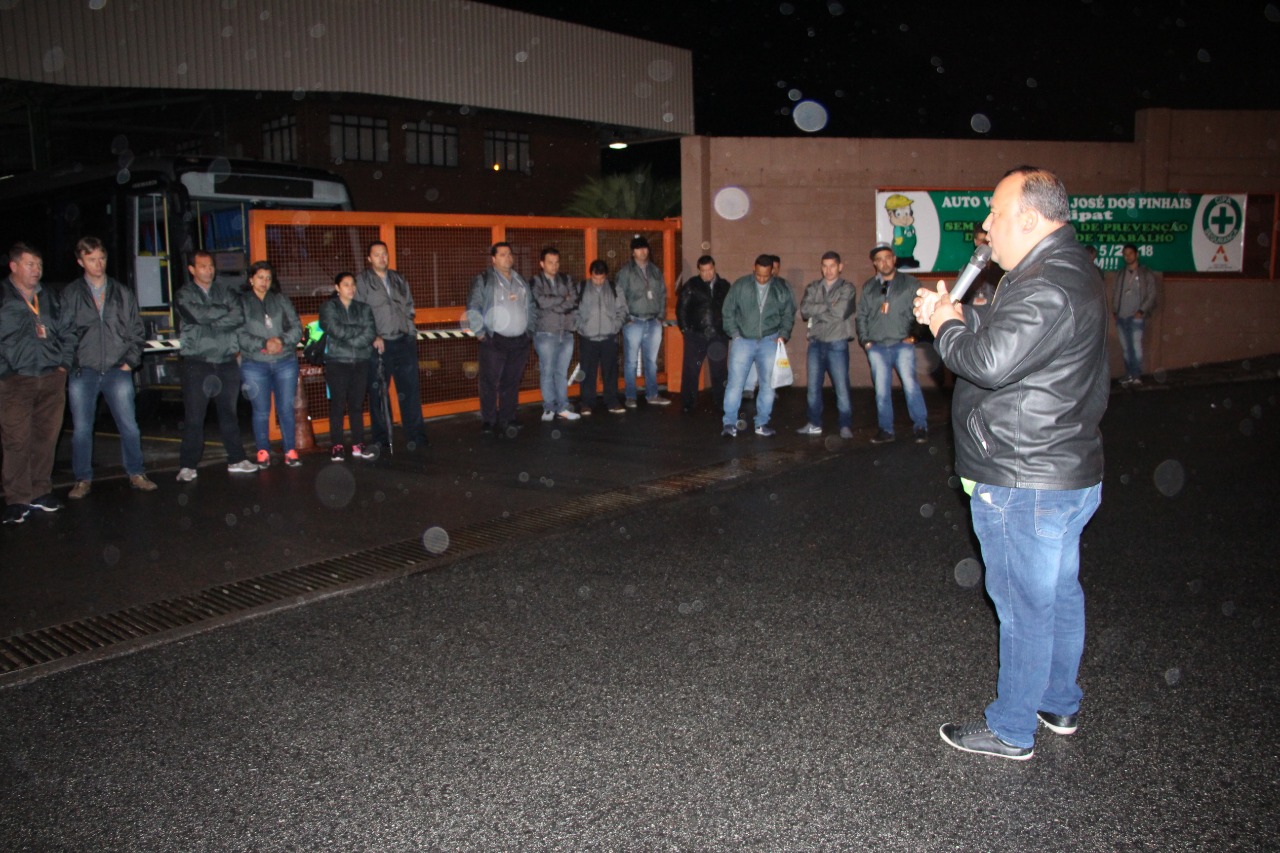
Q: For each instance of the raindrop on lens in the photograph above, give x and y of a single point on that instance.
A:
(968, 572)
(1172, 676)
(809, 116)
(980, 123)
(435, 540)
(111, 555)
(926, 511)
(335, 486)
(1169, 477)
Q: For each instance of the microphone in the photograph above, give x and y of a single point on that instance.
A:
(971, 271)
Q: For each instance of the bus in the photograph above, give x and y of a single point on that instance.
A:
(153, 215)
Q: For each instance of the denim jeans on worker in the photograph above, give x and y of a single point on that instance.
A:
(884, 359)
(1130, 330)
(829, 357)
(555, 351)
(116, 387)
(262, 380)
(1031, 547)
(743, 353)
(637, 335)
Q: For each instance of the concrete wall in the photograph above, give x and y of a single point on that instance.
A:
(810, 195)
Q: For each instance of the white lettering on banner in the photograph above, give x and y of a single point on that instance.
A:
(1176, 203)
(963, 201)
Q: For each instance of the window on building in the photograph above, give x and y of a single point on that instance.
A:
(280, 140)
(427, 144)
(358, 138)
(507, 151)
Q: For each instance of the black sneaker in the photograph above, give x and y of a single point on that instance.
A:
(48, 503)
(16, 513)
(729, 432)
(1059, 724)
(976, 737)
(882, 437)
(921, 435)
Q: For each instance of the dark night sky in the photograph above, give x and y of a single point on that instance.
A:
(1069, 70)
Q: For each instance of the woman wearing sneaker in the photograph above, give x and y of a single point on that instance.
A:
(269, 360)
(348, 345)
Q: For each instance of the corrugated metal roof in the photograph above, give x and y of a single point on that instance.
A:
(447, 51)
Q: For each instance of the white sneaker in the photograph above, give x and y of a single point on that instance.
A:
(548, 416)
(568, 415)
(186, 475)
(244, 466)
(810, 429)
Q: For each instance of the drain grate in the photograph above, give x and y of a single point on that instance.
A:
(45, 650)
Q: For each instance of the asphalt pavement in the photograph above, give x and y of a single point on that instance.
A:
(632, 634)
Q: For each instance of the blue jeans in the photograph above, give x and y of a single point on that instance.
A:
(555, 351)
(884, 359)
(1130, 329)
(743, 353)
(1031, 547)
(829, 358)
(261, 380)
(637, 335)
(116, 387)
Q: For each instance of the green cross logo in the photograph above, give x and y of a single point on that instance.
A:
(1222, 220)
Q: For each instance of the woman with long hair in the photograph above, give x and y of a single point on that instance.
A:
(348, 335)
(269, 360)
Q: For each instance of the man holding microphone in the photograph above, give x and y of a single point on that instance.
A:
(1031, 387)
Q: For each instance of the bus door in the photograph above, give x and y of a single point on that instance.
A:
(150, 240)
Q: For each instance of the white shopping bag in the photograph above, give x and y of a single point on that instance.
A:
(782, 374)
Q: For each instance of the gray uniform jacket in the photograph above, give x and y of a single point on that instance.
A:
(1134, 292)
(210, 322)
(645, 291)
(272, 316)
(877, 327)
(22, 351)
(105, 340)
(393, 310)
(557, 303)
(487, 309)
(601, 311)
(829, 314)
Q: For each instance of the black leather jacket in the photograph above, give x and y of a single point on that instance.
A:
(700, 306)
(1032, 373)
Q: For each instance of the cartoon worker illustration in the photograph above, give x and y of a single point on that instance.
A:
(902, 218)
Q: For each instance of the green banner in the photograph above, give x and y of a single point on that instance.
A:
(933, 230)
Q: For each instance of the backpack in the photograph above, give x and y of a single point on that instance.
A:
(313, 352)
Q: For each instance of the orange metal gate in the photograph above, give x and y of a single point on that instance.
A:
(439, 255)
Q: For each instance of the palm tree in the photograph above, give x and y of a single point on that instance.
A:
(634, 195)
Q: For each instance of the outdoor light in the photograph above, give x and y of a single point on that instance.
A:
(617, 146)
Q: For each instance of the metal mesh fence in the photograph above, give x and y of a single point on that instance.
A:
(307, 257)
(439, 262)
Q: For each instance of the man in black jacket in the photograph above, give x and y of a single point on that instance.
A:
(109, 335)
(35, 352)
(700, 315)
(1031, 387)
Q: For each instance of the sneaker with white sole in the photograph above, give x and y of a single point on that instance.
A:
(729, 432)
(47, 503)
(766, 431)
(977, 738)
(810, 429)
(336, 453)
(264, 459)
(845, 432)
(186, 475)
(568, 415)
(1059, 724)
(16, 513)
(244, 466)
(291, 459)
(658, 400)
(79, 490)
(548, 416)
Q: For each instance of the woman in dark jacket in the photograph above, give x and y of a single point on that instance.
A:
(269, 359)
(348, 334)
